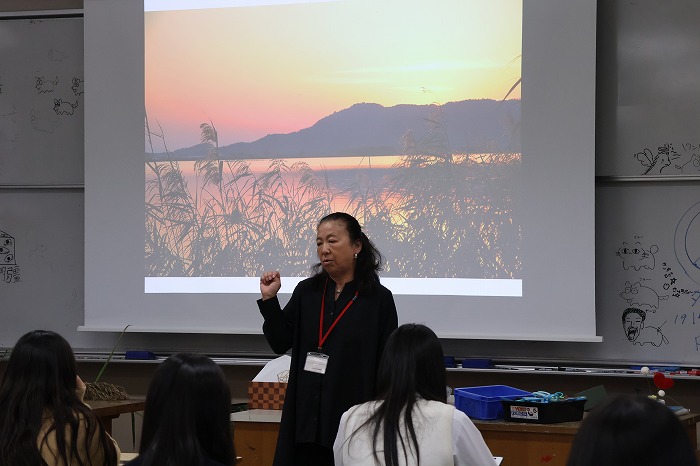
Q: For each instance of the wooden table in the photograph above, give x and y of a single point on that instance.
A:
(109, 410)
(523, 444)
(255, 437)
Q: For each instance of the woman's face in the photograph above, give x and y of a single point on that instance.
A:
(336, 251)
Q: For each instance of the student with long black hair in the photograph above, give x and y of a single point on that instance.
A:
(410, 423)
(187, 416)
(43, 419)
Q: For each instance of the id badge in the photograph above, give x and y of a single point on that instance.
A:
(316, 362)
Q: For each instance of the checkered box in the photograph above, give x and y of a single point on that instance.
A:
(266, 395)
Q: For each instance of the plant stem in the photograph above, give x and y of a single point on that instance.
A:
(104, 366)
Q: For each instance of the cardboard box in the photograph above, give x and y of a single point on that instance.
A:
(266, 395)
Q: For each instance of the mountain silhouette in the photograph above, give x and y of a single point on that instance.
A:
(470, 126)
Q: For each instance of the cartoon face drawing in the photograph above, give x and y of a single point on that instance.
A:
(637, 332)
(633, 323)
(636, 257)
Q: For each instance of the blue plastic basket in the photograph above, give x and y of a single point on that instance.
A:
(485, 402)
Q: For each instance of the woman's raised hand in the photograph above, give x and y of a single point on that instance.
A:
(270, 283)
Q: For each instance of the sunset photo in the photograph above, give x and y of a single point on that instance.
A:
(261, 119)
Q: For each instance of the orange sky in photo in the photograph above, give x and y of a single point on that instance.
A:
(253, 71)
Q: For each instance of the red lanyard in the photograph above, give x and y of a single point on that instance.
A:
(321, 336)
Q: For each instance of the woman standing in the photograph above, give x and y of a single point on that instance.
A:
(410, 423)
(336, 324)
(43, 420)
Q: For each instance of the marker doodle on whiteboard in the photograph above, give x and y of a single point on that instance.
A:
(9, 270)
(44, 85)
(686, 242)
(633, 323)
(641, 296)
(62, 107)
(636, 257)
(666, 160)
(78, 86)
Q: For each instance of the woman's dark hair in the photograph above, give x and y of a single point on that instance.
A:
(40, 379)
(369, 260)
(412, 366)
(187, 414)
(631, 430)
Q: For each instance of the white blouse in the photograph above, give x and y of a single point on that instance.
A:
(446, 437)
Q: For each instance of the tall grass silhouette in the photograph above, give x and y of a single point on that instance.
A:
(439, 214)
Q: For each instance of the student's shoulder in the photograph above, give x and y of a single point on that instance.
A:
(437, 407)
(462, 421)
(362, 408)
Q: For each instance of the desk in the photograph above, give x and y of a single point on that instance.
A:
(255, 437)
(536, 444)
(109, 410)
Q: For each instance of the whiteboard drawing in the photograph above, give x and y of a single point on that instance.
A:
(44, 85)
(641, 296)
(7, 249)
(63, 107)
(78, 86)
(666, 160)
(636, 257)
(9, 271)
(40, 59)
(687, 242)
(692, 165)
(637, 332)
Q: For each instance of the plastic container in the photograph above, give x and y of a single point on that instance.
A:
(543, 413)
(485, 402)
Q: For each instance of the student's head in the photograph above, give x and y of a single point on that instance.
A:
(631, 430)
(187, 414)
(38, 397)
(412, 364)
(41, 372)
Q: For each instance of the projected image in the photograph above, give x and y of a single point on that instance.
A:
(261, 119)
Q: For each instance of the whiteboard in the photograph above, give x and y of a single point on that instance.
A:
(648, 101)
(41, 286)
(47, 226)
(41, 101)
(648, 259)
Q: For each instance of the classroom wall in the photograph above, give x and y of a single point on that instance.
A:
(134, 377)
